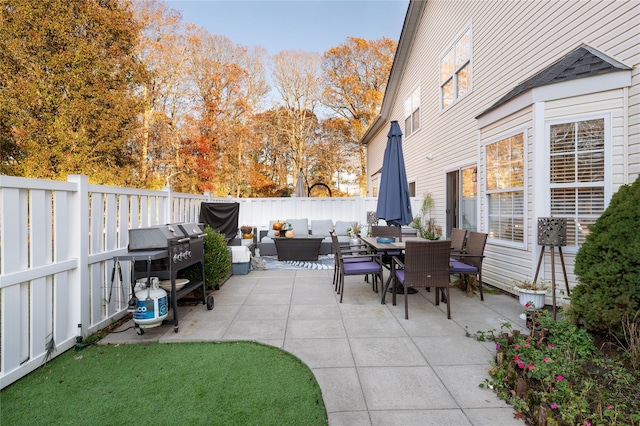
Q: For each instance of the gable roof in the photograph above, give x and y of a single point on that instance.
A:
(405, 42)
(583, 62)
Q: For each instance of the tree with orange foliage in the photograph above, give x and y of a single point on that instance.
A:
(295, 76)
(229, 83)
(355, 76)
(68, 89)
(164, 50)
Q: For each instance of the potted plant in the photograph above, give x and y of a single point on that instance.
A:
(354, 232)
(531, 293)
(425, 223)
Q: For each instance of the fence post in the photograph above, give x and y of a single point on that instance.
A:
(168, 205)
(79, 249)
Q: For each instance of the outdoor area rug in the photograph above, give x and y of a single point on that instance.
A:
(271, 263)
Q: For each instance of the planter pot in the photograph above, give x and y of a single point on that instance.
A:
(532, 297)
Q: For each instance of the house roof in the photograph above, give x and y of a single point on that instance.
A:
(407, 37)
(583, 62)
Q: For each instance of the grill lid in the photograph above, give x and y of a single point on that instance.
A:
(161, 236)
(191, 230)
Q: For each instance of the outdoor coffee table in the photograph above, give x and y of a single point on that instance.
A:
(298, 248)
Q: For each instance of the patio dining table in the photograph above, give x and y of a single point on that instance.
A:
(379, 247)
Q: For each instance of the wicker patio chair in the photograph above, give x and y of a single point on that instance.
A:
(348, 251)
(457, 237)
(426, 264)
(356, 264)
(470, 262)
(387, 231)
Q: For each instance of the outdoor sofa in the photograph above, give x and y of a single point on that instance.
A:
(301, 227)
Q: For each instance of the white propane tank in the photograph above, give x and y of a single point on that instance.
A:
(152, 307)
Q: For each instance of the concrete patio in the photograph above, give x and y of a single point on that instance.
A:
(373, 366)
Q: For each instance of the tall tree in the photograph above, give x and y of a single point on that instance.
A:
(331, 156)
(68, 74)
(296, 78)
(229, 81)
(164, 50)
(355, 76)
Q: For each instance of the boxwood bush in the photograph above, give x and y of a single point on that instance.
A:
(217, 260)
(608, 266)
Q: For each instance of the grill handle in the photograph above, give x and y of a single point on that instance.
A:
(184, 240)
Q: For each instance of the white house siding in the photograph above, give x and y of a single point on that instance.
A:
(511, 42)
(609, 103)
(507, 262)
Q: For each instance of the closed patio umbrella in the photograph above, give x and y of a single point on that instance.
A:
(300, 190)
(394, 204)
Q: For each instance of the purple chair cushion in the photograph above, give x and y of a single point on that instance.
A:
(358, 268)
(400, 275)
(458, 267)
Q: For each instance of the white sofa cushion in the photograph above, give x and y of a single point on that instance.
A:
(300, 226)
(321, 228)
(342, 227)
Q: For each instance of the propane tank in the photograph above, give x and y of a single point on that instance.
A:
(152, 306)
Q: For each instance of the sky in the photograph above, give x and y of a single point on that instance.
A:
(308, 25)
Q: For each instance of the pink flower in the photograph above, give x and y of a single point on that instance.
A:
(550, 345)
(560, 378)
(516, 358)
(528, 340)
(587, 423)
(526, 345)
(530, 367)
(554, 406)
(609, 407)
(546, 359)
(497, 345)
(521, 365)
(516, 347)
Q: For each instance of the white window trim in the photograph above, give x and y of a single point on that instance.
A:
(410, 96)
(468, 27)
(485, 192)
(608, 159)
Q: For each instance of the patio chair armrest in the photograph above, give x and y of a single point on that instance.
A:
(467, 256)
(355, 251)
(395, 260)
(364, 256)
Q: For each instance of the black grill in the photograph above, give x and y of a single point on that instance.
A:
(162, 251)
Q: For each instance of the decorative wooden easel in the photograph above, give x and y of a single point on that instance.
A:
(552, 232)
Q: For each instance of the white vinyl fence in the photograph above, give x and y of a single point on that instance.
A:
(57, 245)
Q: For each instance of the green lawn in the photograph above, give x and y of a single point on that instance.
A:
(238, 383)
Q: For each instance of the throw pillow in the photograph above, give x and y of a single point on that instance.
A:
(321, 228)
(342, 227)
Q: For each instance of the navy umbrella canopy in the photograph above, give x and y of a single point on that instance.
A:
(394, 204)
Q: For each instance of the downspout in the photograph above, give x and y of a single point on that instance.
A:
(625, 135)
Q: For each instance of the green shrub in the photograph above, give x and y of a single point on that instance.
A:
(217, 260)
(608, 265)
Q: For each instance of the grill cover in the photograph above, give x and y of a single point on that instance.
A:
(221, 217)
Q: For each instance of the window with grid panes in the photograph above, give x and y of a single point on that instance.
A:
(412, 112)
(577, 175)
(505, 189)
(455, 71)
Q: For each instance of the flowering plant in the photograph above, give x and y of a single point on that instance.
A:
(557, 374)
(526, 284)
(355, 229)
